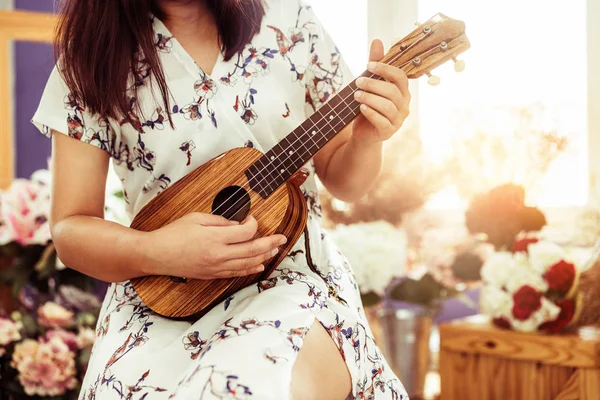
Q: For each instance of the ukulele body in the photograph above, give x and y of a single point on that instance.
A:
(219, 186)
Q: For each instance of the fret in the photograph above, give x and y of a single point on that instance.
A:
(337, 120)
(304, 142)
(324, 110)
(346, 93)
(312, 136)
(260, 174)
(335, 100)
(307, 125)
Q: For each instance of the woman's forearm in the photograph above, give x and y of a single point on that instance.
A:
(353, 169)
(101, 249)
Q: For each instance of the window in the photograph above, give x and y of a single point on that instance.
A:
(530, 63)
(527, 64)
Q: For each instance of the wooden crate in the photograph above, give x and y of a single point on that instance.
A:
(478, 361)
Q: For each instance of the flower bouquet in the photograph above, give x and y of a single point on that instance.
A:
(532, 287)
(452, 256)
(501, 215)
(444, 262)
(376, 252)
(46, 355)
(28, 259)
(48, 311)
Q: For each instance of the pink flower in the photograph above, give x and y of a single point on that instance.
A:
(9, 332)
(86, 337)
(24, 211)
(68, 338)
(25, 349)
(45, 369)
(52, 315)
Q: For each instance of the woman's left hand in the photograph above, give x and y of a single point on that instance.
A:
(384, 103)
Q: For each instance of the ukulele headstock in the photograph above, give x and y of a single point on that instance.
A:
(428, 46)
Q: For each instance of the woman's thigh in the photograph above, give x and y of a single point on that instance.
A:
(319, 373)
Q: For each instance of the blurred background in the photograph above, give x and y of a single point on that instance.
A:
(494, 158)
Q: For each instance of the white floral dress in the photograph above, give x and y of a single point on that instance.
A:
(245, 347)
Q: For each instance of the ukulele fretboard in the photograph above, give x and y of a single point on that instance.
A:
(296, 149)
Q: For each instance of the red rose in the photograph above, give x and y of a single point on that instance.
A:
(522, 245)
(527, 300)
(567, 311)
(560, 276)
(502, 322)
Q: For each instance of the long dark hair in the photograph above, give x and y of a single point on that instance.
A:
(98, 42)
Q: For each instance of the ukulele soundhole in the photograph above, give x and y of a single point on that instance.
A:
(233, 203)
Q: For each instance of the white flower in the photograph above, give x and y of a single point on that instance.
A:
(494, 301)
(524, 274)
(544, 254)
(439, 246)
(85, 337)
(498, 268)
(376, 252)
(9, 332)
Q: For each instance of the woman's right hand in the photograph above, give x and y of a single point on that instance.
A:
(207, 246)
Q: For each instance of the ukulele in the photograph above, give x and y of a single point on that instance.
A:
(245, 181)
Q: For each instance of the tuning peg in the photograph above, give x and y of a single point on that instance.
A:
(433, 80)
(459, 65)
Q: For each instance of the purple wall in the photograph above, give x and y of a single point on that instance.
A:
(33, 63)
(35, 5)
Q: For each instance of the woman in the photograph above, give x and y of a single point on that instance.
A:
(162, 86)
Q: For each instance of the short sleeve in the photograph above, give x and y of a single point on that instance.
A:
(326, 72)
(58, 111)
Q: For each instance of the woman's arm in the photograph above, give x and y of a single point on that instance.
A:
(348, 168)
(350, 163)
(83, 239)
(200, 246)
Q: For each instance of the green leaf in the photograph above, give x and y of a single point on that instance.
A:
(87, 319)
(30, 325)
(19, 280)
(370, 299)
(10, 250)
(46, 266)
(84, 357)
(425, 291)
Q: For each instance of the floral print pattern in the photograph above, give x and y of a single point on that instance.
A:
(245, 347)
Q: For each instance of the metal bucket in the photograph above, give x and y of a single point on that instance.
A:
(405, 345)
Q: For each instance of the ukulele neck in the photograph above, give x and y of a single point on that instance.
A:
(296, 149)
(436, 41)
